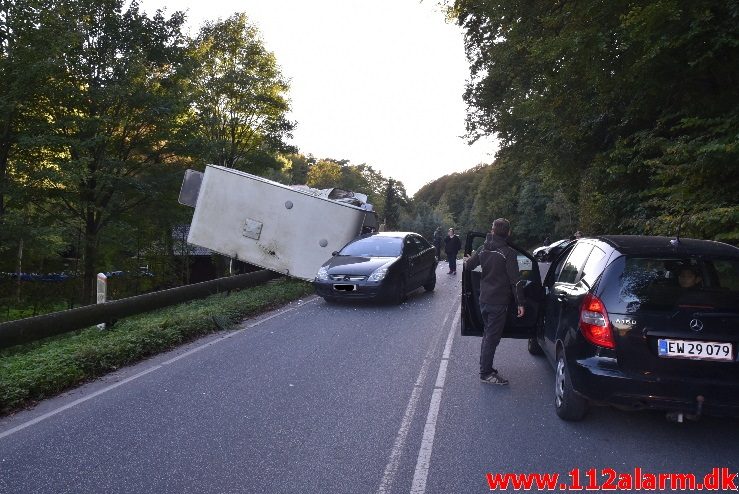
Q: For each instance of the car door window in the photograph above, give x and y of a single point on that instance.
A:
(423, 244)
(593, 267)
(420, 243)
(411, 247)
(525, 267)
(576, 259)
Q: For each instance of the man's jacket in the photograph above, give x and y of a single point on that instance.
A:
(452, 245)
(500, 276)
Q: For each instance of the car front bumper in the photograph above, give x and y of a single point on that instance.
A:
(599, 379)
(350, 290)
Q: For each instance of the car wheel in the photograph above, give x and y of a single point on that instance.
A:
(399, 296)
(534, 348)
(431, 283)
(569, 405)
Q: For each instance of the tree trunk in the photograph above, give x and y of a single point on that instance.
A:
(19, 269)
(89, 275)
(6, 141)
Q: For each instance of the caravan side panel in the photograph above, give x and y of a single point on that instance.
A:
(268, 224)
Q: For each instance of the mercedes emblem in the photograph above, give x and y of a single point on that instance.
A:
(696, 325)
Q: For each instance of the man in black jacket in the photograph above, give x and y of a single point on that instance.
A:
(498, 284)
(452, 244)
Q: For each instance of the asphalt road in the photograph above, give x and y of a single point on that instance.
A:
(341, 398)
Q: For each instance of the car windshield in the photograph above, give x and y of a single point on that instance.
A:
(375, 246)
(662, 283)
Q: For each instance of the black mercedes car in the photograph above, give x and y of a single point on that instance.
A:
(385, 266)
(637, 322)
(546, 253)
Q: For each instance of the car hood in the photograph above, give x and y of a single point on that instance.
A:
(356, 265)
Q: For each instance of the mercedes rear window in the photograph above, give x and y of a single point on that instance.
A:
(661, 283)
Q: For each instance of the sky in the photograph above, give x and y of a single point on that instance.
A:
(371, 81)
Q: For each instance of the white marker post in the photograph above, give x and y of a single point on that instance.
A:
(102, 294)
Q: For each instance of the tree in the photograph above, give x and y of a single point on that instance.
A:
(24, 67)
(298, 168)
(112, 102)
(392, 206)
(240, 96)
(324, 174)
(632, 109)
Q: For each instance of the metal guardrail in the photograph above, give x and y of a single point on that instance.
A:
(38, 327)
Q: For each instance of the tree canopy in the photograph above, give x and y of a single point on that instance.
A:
(103, 107)
(240, 97)
(630, 111)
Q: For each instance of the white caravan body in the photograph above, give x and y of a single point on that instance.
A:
(262, 222)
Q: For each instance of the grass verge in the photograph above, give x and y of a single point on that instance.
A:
(38, 370)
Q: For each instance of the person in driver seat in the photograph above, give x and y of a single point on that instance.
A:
(687, 277)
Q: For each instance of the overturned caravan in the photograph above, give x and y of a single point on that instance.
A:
(289, 230)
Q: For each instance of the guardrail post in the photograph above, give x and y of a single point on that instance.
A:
(102, 295)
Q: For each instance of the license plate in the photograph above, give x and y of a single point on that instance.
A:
(345, 287)
(699, 350)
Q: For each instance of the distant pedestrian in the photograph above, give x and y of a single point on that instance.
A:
(547, 240)
(452, 244)
(438, 239)
(498, 285)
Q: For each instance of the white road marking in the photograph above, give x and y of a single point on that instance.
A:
(61, 409)
(391, 469)
(427, 444)
(429, 431)
(441, 376)
(448, 346)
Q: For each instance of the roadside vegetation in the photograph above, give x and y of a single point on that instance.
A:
(612, 117)
(32, 372)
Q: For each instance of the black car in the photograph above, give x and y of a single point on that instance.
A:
(547, 253)
(386, 266)
(637, 322)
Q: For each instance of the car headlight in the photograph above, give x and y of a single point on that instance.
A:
(378, 274)
(322, 273)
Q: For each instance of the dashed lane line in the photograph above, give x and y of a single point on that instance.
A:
(429, 431)
(391, 469)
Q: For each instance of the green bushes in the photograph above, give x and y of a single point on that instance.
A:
(42, 369)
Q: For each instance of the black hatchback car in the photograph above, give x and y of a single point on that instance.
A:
(636, 322)
(386, 266)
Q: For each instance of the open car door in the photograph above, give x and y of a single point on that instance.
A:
(515, 327)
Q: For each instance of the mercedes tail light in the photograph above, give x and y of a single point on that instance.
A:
(594, 322)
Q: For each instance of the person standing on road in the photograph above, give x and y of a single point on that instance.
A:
(438, 238)
(452, 244)
(499, 281)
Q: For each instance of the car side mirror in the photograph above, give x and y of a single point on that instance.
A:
(335, 253)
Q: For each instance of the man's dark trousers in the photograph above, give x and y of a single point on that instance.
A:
(493, 317)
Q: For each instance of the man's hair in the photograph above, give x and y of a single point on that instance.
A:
(688, 268)
(501, 227)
